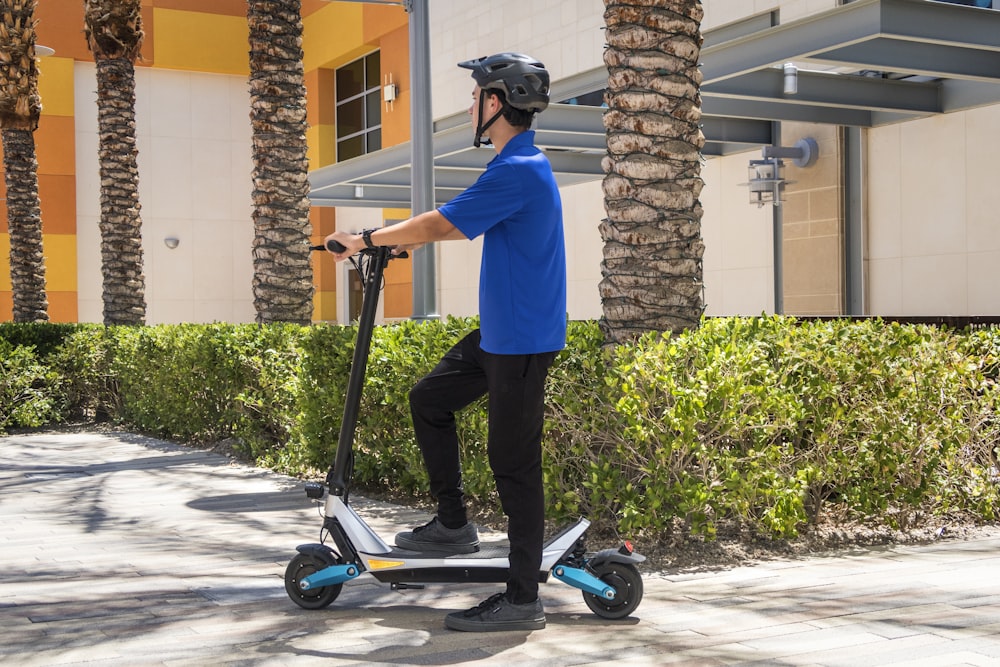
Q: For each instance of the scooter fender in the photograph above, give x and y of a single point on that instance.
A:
(319, 550)
(613, 555)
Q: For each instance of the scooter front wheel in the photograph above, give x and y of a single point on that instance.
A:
(627, 582)
(301, 567)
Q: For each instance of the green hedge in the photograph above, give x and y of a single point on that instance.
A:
(766, 423)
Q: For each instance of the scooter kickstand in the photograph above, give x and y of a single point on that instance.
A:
(400, 586)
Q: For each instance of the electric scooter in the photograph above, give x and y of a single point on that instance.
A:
(610, 581)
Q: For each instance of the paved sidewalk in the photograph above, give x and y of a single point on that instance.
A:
(123, 550)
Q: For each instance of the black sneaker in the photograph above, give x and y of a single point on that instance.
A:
(435, 537)
(496, 614)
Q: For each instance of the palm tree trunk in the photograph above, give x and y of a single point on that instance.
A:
(27, 266)
(20, 109)
(282, 282)
(121, 224)
(652, 266)
(113, 29)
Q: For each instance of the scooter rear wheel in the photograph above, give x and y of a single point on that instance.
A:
(301, 567)
(627, 582)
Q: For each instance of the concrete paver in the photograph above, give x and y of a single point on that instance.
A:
(124, 550)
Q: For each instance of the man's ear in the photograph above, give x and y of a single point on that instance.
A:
(492, 103)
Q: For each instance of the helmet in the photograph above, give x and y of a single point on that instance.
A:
(524, 80)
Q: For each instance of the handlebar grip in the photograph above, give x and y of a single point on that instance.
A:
(335, 246)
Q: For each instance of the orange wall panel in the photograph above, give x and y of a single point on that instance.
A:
(226, 7)
(395, 56)
(378, 20)
(62, 306)
(60, 26)
(6, 306)
(55, 145)
(321, 103)
(57, 194)
(398, 301)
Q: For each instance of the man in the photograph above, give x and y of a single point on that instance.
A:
(515, 205)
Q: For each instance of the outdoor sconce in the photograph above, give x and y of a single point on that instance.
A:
(791, 83)
(171, 242)
(389, 92)
(767, 176)
(44, 51)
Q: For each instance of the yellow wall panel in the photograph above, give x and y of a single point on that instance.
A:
(324, 306)
(55, 85)
(200, 42)
(60, 262)
(322, 145)
(395, 214)
(333, 35)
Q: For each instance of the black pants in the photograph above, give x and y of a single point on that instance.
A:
(516, 388)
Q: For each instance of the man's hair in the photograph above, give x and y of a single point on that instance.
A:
(516, 117)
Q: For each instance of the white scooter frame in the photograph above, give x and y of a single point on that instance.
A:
(610, 581)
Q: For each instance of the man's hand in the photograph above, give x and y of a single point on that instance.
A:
(352, 243)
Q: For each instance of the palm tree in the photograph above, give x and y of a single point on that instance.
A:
(652, 270)
(20, 107)
(282, 282)
(113, 29)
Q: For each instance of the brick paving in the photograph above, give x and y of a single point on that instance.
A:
(125, 550)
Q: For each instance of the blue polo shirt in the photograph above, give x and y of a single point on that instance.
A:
(515, 205)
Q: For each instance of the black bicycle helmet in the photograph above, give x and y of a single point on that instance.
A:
(524, 80)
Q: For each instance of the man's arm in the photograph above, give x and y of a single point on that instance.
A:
(407, 235)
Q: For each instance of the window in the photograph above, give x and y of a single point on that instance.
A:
(359, 107)
(592, 99)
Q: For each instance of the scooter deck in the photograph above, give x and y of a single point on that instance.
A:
(488, 565)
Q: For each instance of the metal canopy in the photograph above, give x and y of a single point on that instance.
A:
(865, 64)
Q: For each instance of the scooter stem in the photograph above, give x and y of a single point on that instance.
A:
(338, 478)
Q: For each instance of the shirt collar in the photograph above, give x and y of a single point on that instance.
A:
(526, 138)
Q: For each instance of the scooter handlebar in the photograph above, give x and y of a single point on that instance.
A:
(337, 246)
(331, 245)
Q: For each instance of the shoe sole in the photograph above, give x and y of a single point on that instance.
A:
(404, 543)
(468, 625)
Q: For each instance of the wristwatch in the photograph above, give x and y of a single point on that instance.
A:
(366, 235)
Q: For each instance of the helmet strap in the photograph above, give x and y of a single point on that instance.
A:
(483, 127)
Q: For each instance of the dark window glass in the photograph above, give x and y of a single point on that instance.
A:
(594, 99)
(355, 296)
(353, 147)
(372, 71)
(374, 141)
(359, 107)
(373, 108)
(351, 80)
(350, 117)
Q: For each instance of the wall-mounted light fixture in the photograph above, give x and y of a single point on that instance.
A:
(791, 86)
(171, 242)
(767, 176)
(389, 92)
(44, 51)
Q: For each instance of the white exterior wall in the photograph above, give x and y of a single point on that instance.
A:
(193, 138)
(569, 38)
(933, 231)
(934, 215)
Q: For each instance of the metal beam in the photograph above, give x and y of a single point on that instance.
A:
(932, 60)
(832, 90)
(806, 113)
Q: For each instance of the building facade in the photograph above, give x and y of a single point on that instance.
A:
(896, 216)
